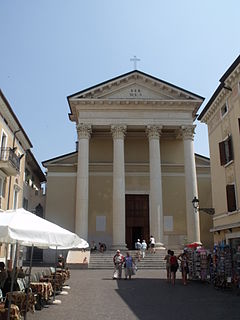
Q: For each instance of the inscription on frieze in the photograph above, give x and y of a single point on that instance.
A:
(134, 93)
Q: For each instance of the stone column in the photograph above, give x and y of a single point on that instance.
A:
(81, 217)
(193, 226)
(119, 225)
(156, 207)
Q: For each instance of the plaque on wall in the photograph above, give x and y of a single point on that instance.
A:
(168, 223)
(100, 223)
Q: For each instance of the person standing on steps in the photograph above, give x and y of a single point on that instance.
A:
(143, 248)
(152, 245)
(138, 248)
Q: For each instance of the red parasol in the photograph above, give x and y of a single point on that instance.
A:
(194, 245)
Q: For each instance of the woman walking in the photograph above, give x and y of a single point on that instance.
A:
(167, 258)
(143, 248)
(118, 260)
(173, 266)
(128, 265)
(152, 244)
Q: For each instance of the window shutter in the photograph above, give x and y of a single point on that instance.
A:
(222, 153)
(231, 200)
(230, 148)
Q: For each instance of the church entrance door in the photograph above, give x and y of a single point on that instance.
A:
(137, 218)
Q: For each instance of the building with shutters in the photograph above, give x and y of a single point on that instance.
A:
(222, 116)
(17, 188)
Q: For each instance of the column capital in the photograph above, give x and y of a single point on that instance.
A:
(84, 130)
(118, 131)
(153, 131)
(188, 132)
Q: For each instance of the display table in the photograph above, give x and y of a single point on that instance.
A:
(19, 299)
(44, 289)
(14, 314)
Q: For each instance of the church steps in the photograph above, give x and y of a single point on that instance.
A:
(151, 261)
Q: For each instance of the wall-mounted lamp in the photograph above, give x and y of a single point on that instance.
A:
(196, 207)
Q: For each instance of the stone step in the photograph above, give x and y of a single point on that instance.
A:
(151, 261)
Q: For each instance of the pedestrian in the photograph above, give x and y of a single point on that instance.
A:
(93, 246)
(61, 262)
(3, 274)
(152, 244)
(102, 247)
(143, 248)
(167, 258)
(118, 260)
(128, 266)
(138, 248)
(173, 266)
(184, 266)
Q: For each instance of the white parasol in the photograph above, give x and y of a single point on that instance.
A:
(28, 229)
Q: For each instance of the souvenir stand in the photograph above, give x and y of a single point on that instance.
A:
(236, 268)
(222, 276)
(198, 263)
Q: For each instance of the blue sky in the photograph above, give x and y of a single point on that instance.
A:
(53, 48)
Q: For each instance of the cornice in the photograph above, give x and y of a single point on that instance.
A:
(136, 77)
(233, 77)
(223, 95)
(77, 102)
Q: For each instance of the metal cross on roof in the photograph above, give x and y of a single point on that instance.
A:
(135, 59)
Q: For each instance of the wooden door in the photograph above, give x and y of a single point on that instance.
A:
(137, 219)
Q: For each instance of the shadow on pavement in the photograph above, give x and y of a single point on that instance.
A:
(156, 299)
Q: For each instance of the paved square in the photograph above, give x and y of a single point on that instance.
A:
(94, 295)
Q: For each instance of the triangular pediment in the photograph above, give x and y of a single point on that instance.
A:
(136, 90)
(135, 85)
(202, 160)
(66, 159)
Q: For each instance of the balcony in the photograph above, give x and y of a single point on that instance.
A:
(9, 162)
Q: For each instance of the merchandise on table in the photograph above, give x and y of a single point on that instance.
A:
(198, 264)
(222, 267)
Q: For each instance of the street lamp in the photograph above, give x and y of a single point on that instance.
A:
(196, 207)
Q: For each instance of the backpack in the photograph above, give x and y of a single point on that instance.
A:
(174, 262)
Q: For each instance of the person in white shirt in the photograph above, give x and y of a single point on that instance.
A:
(152, 244)
(138, 248)
(143, 248)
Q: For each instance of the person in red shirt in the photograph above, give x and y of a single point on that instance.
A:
(173, 266)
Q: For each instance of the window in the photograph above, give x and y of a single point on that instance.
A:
(226, 151)
(224, 109)
(15, 198)
(25, 203)
(231, 198)
(3, 145)
(1, 187)
(1, 191)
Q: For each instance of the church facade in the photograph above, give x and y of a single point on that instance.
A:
(134, 173)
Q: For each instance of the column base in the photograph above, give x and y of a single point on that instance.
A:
(121, 247)
(159, 246)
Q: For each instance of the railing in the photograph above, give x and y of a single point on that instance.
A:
(7, 154)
